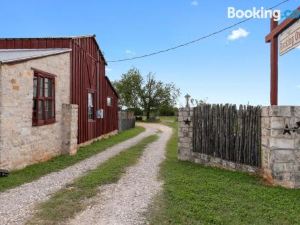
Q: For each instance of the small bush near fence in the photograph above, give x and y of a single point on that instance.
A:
(225, 132)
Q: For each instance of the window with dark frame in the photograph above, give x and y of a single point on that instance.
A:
(91, 108)
(43, 110)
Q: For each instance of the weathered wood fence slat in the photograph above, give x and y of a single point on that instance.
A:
(126, 120)
(225, 132)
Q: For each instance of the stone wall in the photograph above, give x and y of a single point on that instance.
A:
(280, 146)
(185, 134)
(69, 128)
(21, 143)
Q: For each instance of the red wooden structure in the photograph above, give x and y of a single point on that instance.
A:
(272, 38)
(87, 76)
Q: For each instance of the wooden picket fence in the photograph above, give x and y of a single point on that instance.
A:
(126, 120)
(225, 132)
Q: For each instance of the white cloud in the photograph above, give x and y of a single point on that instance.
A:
(237, 34)
(195, 3)
(108, 69)
(298, 47)
(129, 52)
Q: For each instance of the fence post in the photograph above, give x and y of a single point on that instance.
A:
(126, 120)
(185, 133)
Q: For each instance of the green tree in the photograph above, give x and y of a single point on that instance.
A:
(146, 93)
(167, 110)
(129, 88)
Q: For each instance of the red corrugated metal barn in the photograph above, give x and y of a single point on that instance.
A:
(90, 87)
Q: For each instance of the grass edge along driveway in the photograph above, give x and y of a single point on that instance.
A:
(35, 171)
(195, 194)
(67, 202)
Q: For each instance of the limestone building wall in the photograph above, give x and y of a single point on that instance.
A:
(21, 143)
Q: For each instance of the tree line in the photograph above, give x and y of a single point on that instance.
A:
(146, 95)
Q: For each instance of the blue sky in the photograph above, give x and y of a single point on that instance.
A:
(216, 69)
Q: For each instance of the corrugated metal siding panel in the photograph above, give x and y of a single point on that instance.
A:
(34, 43)
(111, 112)
(87, 66)
(84, 70)
(108, 123)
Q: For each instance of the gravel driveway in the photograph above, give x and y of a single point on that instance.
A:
(126, 201)
(16, 205)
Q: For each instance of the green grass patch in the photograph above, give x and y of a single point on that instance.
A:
(70, 200)
(194, 194)
(167, 118)
(38, 170)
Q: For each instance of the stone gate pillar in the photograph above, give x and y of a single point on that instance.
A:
(281, 145)
(185, 133)
(69, 128)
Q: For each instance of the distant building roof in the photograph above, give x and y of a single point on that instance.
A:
(15, 55)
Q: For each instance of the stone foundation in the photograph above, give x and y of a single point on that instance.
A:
(221, 163)
(280, 146)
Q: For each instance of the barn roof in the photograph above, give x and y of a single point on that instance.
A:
(15, 55)
(112, 87)
(50, 37)
(93, 36)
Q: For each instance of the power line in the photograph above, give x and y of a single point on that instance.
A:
(193, 41)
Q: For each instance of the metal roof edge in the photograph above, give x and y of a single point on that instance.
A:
(113, 88)
(34, 57)
(49, 37)
(63, 37)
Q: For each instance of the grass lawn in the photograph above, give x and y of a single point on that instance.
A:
(70, 200)
(161, 118)
(35, 171)
(167, 118)
(194, 194)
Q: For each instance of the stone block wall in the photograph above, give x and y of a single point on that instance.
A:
(280, 145)
(22, 144)
(69, 128)
(185, 134)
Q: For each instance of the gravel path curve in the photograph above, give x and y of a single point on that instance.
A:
(125, 202)
(16, 205)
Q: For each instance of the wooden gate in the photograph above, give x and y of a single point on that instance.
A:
(225, 132)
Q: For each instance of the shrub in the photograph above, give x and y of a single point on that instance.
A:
(139, 118)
